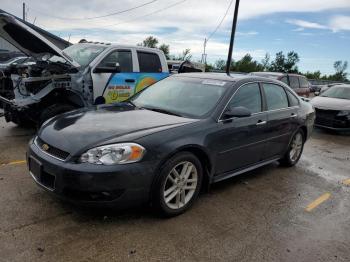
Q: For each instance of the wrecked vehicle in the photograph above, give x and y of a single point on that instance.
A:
(81, 75)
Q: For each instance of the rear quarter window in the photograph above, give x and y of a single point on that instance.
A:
(293, 100)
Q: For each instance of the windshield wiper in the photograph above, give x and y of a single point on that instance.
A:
(160, 110)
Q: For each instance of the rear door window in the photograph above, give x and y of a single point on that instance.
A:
(248, 96)
(276, 97)
(294, 82)
(149, 62)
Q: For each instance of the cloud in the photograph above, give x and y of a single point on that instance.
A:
(250, 33)
(336, 24)
(339, 23)
(306, 24)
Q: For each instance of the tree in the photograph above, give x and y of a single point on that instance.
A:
(340, 70)
(266, 62)
(313, 75)
(165, 48)
(220, 64)
(150, 42)
(247, 65)
(285, 64)
(186, 55)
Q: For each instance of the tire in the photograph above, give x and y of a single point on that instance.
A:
(295, 150)
(54, 110)
(173, 193)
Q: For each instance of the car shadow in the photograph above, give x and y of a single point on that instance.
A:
(111, 215)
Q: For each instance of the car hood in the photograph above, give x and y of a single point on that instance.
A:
(331, 103)
(83, 129)
(28, 40)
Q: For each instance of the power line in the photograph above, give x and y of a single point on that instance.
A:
(96, 17)
(222, 20)
(146, 15)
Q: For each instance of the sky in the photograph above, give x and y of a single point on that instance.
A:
(318, 30)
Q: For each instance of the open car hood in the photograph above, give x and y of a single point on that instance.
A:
(28, 40)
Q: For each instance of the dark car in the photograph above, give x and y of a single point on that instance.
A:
(165, 143)
(298, 83)
(333, 108)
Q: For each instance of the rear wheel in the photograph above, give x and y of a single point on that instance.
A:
(295, 149)
(179, 184)
(54, 110)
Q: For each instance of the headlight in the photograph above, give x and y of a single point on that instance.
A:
(113, 154)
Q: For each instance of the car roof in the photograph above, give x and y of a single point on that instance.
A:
(269, 73)
(214, 76)
(110, 45)
(224, 77)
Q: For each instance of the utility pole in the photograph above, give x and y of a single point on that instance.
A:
(204, 55)
(24, 11)
(232, 40)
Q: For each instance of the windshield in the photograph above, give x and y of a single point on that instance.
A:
(189, 97)
(341, 92)
(82, 54)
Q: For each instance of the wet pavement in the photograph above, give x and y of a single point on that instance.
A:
(270, 214)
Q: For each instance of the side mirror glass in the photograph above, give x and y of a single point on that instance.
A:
(317, 93)
(239, 111)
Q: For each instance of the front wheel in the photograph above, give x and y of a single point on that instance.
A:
(295, 150)
(179, 184)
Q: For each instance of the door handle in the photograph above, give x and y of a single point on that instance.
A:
(260, 123)
(293, 115)
(130, 80)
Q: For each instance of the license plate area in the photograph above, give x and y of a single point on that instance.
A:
(40, 176)
(35, 169)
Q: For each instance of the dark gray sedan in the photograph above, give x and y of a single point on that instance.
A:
(170, 140)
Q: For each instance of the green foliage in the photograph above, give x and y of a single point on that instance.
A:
(220, 64)
(150, 42)
(340, 70)
(285, 64)
(186, 55)
(313, 75)
(266, 64)
(340, 73)
(247, 65)
(165, 48)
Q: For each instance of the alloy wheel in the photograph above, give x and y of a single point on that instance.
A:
(296, 147)
(180, 185)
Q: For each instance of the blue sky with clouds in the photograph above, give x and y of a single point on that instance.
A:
(318, 30)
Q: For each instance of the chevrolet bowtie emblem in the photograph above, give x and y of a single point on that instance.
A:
(45, 147)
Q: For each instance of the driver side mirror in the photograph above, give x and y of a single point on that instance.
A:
(317, 93)
(239, 111)
(108, 68)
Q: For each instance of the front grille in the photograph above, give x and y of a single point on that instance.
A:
(51, 150)
(325, 117)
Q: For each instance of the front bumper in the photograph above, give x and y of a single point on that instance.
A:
(329, 119)
(119, 186)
